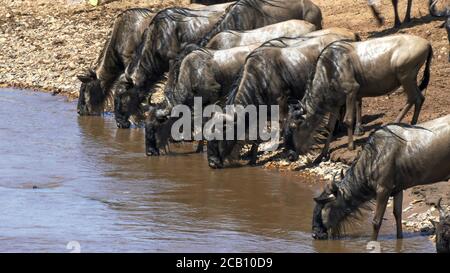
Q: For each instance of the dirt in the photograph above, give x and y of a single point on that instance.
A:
(45, 44)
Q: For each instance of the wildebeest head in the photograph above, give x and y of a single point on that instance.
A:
(221, 151)
(329, 212)
(92, 96)
(126, 101)
(442, 230)
(291, 138)
(157, 130)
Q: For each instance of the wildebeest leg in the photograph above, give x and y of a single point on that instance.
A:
(397, 18)
(359, 131)
(398, 200)
(408, 12)
(382, 199)
(349, 118)
(200, 147)
(376, 14)
(253, 154)
(331, 123)
(417, 108)
(415, 97)
(413, 94)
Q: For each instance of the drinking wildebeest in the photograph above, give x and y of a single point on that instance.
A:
(380, 18)
(232, 38)
(444, 14)
(442, 230)
(149, 68)
(345, 73)
(168, 32)
(251, 14)
(97, 85)
(396, 157)
(198, 72)
(273, 74)
(288, 28)
(118, 51)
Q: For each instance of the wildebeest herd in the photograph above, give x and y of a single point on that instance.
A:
(273, 52)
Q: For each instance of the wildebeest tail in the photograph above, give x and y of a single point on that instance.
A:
(426, 74)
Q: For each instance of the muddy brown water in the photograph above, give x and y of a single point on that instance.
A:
(66, 178)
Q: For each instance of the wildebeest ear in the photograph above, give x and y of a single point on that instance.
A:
(323, 199)
(84, 78)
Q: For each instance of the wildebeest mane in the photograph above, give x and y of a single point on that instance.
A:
(222, 24)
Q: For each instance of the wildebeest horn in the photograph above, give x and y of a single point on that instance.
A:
(128, 78)
(440, 209)
(333, 187)
(92, 73)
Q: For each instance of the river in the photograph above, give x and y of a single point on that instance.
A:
(65, 178)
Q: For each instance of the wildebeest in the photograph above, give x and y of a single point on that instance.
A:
(442, 230)
(117, 53)
(251, 14)
(444, 14)
(175, 32)
(168, 32)
(395, 157)
(197, 72)
(272, 75)
(380, 18)
(345, 73)
(233, 38)
(204, 87)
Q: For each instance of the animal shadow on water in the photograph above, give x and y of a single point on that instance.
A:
(413, 23)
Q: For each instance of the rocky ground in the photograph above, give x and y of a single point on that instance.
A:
(45, 44)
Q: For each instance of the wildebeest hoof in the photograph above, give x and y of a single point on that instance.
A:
(359, 131)
(152, 152)
(320, 235)
(214, 165)
(292, 156)
(125, 125)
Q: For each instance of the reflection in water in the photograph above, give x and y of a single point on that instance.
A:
(95, 186)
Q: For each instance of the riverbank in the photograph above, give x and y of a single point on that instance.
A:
(46, 44)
